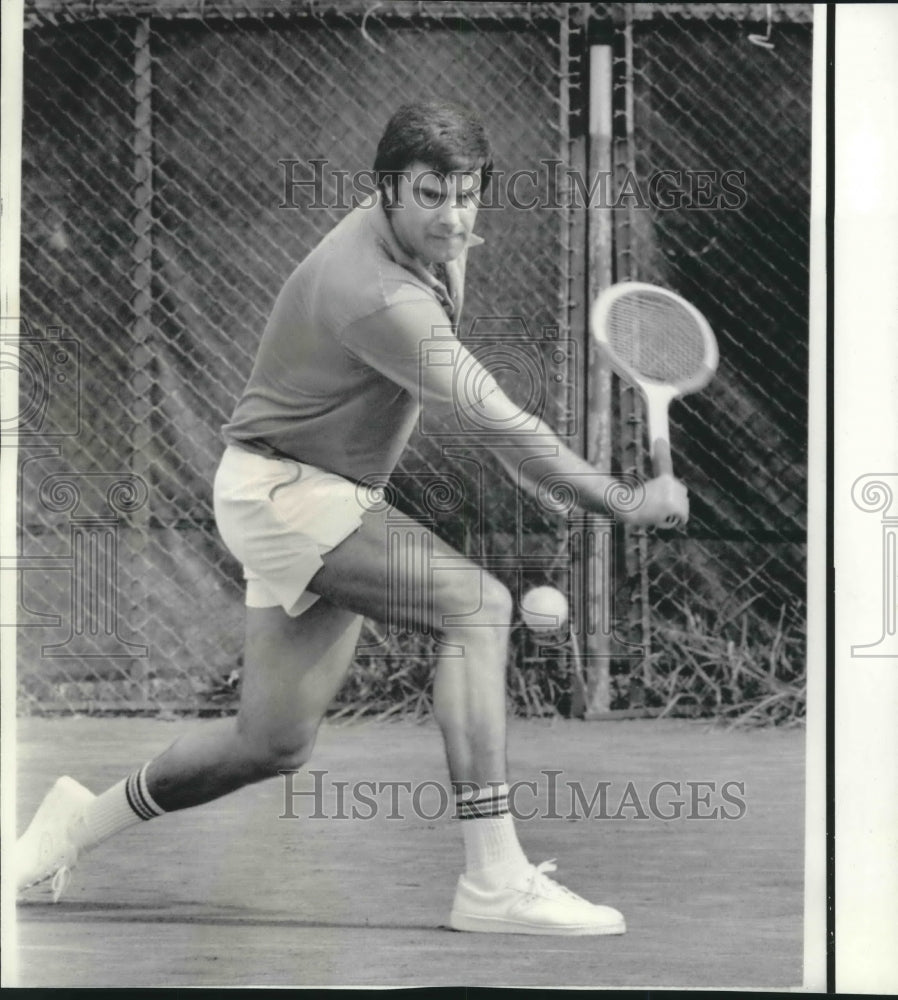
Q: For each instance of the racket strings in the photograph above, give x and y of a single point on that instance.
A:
(656, 337)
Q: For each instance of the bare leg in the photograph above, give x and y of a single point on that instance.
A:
(469, 705)
(293, 667)
(392, 569)
(469, 610)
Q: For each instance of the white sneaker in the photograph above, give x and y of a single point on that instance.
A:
(47, 850)
(526, 901)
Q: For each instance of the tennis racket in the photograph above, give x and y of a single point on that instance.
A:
(656, 340)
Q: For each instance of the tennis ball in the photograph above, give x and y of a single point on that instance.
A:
(544, 609)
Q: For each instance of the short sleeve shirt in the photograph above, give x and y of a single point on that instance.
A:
(338, 379)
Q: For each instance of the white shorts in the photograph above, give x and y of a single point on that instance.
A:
(278, 517)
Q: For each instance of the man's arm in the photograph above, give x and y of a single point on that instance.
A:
(539, 461)
(536, 458)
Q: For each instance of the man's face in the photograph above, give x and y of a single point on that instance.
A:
(433, 214)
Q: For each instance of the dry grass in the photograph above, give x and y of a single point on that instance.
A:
(742, 669)
(739, 669)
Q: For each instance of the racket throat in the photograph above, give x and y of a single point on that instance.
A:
(657, 406)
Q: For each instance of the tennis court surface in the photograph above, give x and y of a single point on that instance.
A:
(231, 894)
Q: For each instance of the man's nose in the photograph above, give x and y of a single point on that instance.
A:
(450, 213)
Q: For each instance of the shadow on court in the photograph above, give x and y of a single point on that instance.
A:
(351, 882)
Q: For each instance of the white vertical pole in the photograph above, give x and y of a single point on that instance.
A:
(10, 233)
(597, 625)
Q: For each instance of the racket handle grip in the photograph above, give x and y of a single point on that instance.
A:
(662, 463)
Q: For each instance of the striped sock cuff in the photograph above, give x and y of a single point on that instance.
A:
(138, 795)
(482, 803)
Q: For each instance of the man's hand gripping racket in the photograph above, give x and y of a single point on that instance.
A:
(656, 340)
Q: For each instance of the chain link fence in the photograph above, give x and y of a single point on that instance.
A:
(721, 114)
(179, 158)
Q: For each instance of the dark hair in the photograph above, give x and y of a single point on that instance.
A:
(444, 137)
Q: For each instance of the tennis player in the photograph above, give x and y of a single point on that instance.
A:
(335, 391)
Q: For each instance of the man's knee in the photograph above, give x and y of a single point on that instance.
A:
(458, 605)
(268, 754)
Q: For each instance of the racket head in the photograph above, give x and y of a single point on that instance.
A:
(652, 336)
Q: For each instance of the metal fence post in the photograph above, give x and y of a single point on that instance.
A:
(142, 380)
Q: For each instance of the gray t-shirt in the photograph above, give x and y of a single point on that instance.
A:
(339, 376)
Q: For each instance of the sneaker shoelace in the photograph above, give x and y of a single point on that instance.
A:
(541, 885)
(63, 874)
(60, 880)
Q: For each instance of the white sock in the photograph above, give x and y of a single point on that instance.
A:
(119, 807)
(488, 829)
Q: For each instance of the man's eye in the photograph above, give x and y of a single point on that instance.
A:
(431, 198)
